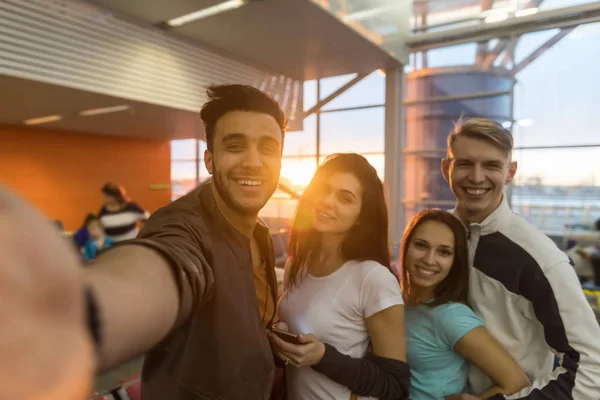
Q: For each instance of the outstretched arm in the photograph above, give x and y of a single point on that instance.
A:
(148, 286)
(142, 292)
(125, 282)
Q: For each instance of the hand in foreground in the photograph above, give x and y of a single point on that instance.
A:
(462, 397)
(309, 353)
(45, 349)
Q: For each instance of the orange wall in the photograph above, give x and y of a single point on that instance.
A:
(61, 173)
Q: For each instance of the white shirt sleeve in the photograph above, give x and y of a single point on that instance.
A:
(380, 290)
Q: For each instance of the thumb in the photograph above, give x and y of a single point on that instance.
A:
(282, 326)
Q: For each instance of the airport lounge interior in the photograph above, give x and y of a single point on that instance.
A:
(101, 99)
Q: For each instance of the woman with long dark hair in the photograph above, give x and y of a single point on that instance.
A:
(444, 335)
(340, 295)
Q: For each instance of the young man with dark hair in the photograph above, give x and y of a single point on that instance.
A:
(521, 284)
(184, 291)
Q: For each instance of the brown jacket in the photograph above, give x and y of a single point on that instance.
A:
(218, 348)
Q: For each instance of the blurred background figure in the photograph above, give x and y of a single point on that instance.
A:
(584, 256)
(120, 217)
(59, 225)
(81, 235)
(97, 240)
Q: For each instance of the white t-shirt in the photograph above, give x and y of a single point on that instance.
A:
(334, 309)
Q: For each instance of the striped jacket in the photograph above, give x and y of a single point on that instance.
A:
(525, 289)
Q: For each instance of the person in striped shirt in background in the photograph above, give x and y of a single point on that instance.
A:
(120, 217)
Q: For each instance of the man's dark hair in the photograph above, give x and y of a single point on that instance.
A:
(225, 98)
(597, 225)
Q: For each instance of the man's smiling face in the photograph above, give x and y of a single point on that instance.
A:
(245, 160)
(477, 172)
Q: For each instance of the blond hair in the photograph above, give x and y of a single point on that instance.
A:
(483, 129)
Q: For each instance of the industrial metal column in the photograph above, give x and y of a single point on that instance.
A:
(435, 100)
(394, 162)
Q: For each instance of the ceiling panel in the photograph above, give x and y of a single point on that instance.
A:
(31, 99)
(296, 38)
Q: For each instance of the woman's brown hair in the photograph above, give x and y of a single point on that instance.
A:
(366, 240)
(455, 286)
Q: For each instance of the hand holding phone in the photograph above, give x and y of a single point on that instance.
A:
(287, 336)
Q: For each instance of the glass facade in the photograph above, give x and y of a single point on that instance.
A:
(549, 105)
(352, 122)
(557, 132)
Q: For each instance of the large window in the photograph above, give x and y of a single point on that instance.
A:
(557, 131)
(352, 122)
(556, 128)
(187, 166)
(184, 166)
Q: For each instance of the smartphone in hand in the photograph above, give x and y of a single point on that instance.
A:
(287, 336)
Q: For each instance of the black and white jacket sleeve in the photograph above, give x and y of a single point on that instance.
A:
(571, 331)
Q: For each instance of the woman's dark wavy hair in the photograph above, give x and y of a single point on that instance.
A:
(116, 191)
(366, 240)
(455, 286)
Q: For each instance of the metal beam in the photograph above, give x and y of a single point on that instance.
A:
(568, 146)
(509, 46)
(565, 17)
(395, 141)
(469, 96)
(286, 189)
(541, 50)
(533, 3)
(331, 110)
(509, 55)
(318, 127)
(493, 54)
(321, 103)
(460, 21)
(483, 47)
(444, 24)
(511, 185)
(423, 9)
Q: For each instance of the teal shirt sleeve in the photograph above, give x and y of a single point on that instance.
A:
(90, 249)
(455, 321)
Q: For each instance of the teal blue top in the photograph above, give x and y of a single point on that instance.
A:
(431, 333)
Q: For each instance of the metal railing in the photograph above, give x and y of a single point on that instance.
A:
(556, 219)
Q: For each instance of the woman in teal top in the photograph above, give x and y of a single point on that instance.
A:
(443, 335)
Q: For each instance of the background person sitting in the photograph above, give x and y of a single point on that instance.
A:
(582, 257)
(120, 217)
(97, 241)
(81, 235)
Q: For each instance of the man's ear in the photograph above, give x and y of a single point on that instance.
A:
(446, 169)
(208, 161)
(512, 171)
